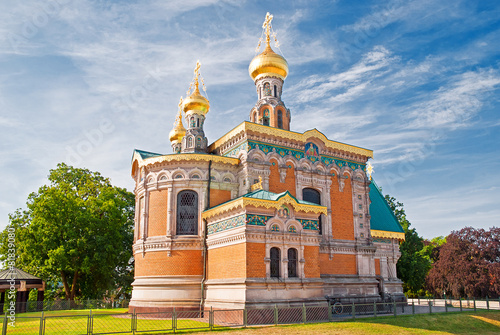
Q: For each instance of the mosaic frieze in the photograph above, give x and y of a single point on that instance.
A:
(311, 153)
(309, 224)
(257, 220)
(226, 224)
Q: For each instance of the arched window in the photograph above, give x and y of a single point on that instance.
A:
(190, 142)
(275, 262)
(275, 91)
(292, 262)
(311, 195)
(280, 119)
(187, 213)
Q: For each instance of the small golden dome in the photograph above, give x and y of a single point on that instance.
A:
(268, 64)
(196, 103)
(179, 131)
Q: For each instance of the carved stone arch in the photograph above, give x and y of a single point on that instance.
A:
(243, 155)
(333, 168)
(319, 166)
(276, 156)
(294, 223)
(215, 176)
(275, 221)
(179, 174)
(135, 169)
(318, 142)
(346, 171)
(196, 172)
(292, 161)
(359, 173)
(306, 164)
(151, 177)
(228, 177)
(256, 154)
(163, 176)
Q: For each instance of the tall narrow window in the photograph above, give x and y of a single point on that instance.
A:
(198, 123)
(187, 213)
(292, 263)
(311, 195)
(280, 119)
(275, 91)
(275, 262)
(265, 121)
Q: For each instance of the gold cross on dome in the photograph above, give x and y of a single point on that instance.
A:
(267, 26)
(180, 104)
(369, 170)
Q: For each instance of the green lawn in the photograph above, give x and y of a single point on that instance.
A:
(116, 320)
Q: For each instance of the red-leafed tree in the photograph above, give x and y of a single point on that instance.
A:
(468, 264)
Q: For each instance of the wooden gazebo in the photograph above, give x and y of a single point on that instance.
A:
(23, 282)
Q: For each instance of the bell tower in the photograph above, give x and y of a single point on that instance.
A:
(195, 106)
(268, 71)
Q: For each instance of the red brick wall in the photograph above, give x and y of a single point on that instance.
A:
(158, 263)
(219, 196)
(256, 268)
(227, 262)
(311, 256)
(157, 219)
(341, 264)
(342, 212)
(275, 185)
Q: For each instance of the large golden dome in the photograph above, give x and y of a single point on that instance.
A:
(268, 64)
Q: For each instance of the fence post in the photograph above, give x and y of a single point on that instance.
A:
(430, 307)
(375, 308)
(211, 318)
(487, 303)
(330, 312)
(245, 317)
(353, 310)
(134, 319)
(174, 320)
(445, 307)
(40, 332)
(394, 305)
(474, 304)
(413, 307)
(89, 323)
(275, 314)
(4, 328)
(304, 316)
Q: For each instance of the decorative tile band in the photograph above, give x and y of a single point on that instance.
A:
(226, 224)
(381, 240)
(257, 220)
(309, 224)
(267, 148)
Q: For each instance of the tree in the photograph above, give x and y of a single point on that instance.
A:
(413, 265)
(78, 231)
(468, 264)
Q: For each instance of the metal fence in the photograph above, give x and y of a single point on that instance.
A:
(62, 305)
(107, 322)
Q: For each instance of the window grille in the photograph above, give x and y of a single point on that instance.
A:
(187, 213)
(275, 262)
(292, 263)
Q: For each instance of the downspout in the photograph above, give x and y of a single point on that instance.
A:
(204, 252)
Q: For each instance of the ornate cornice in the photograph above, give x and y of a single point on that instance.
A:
(290, 135)
(185, 157)
(243, 202)
(388, 234)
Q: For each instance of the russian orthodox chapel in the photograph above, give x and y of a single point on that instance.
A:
(263, 215)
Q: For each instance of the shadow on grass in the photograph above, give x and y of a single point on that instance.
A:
(484, 322)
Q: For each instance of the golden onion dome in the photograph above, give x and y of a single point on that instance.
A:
(179, 131)
(268, 64)
(196, 103)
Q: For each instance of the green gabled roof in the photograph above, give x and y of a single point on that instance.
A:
(266, 195)
(146, 154)
(382, 218)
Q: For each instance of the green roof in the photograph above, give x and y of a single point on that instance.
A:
(266, 195)
(382, 217)
(146, 154)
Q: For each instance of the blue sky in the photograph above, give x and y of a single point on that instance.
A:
(418, 82)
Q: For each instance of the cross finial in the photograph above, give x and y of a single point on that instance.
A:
(180, 104)
(196, 74)
(369, 170)
(267, 27)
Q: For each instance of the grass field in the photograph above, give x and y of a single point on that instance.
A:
(116, 320)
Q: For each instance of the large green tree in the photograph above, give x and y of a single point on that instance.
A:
(413, 265)
(78, 231)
